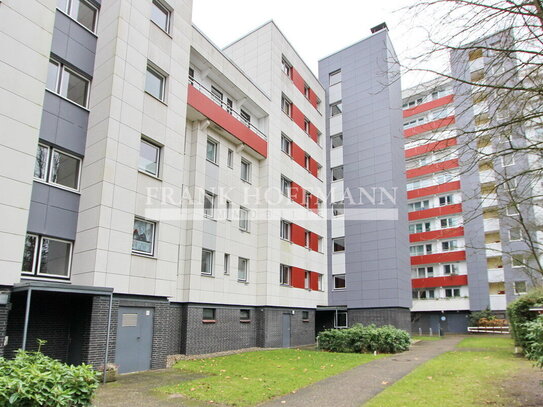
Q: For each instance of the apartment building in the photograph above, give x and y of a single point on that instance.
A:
(468, 252)
(368, 258)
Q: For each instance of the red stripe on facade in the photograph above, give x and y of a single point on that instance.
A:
(432, 168)
(314, 281)
(297, 234)
(436, 234)
(438, 258)
(298, 80)
(436, 189)
(428, 106)
(313, 167)
(314, 242)
(426, 148)
(313, 99)
(313, 132)
(446, 281)
(298, 155)
(297, 277)
(297, 193)
(297, 116)
(434, 125)
(222, 118)
(433, 212)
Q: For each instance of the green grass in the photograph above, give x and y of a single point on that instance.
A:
(488, 342)
(253, 377)
(426, 338)
(457, 379)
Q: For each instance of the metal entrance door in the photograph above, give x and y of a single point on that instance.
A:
(286, 330)
(134, 339)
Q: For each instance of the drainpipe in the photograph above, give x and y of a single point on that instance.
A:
(27, 317)
(107, 338)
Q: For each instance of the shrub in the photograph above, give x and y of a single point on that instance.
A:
(519, 314)
(359, 338)
(534, 337)
(475, 317)
(492, 322)
(33, 379)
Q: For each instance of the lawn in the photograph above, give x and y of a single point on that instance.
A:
(253, 377)
(457, 379)
(426, 338)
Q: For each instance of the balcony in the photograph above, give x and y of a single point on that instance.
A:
(489, 200)
(487, 176)
(441, 304)
(491, 225)
(225, 117)
(498, 302)
(496, 275)
(493, 249)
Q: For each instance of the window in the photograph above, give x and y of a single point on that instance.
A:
(143, 237)
(230, 159)
(286, 144)
(56, 167)
(511, 210)
(244, 315)
(319, 282)
(286, 68)
(339, 281)
(286, 186)
(307, 239)
(420, 249)
(230, 106)
(45, 256)
(228, 210)
(307, 162)
(284, 278)
(81, 11)
(68, 84)
(452, 292)
(217, 95)
(446, 200)
(155, 83)
(209, 204)
(307, 200)
(508, 160)
(336, 109)
(246, 117)
(319, 171)
(307, 125)
(420, 227)
(515, 234)
(149, 157)
(335, 77)
(226, 263)
(244, 219)
(418, 206)
(305, 315)
(337, 140)
(307, 90)
(449, 269)
(423, 272)
(285, 230)
(337, 173)
(243, 267)
(423, 294)
(338, 244)
(520, 287)
(286, 106)
(517, 260)
(208, 314)
(307, 280)
(245, 170)
(341, 319)
(338, 208)
(191, 76)
(207, 262)
(160, 15)
(449, 245)
(319, 244)
(212, 151)
(447, 223)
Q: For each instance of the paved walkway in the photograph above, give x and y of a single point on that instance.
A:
(358, 385)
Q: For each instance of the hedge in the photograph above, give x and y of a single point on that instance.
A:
(367, 339)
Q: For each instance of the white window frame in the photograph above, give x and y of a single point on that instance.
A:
(520, 292)
(508, 212)
(216, 150)
(521, 235)
(49, 168)
(344, 281)
(248, 165)
(282, 269)
(243, 260)
(209, 213)
(60, 78)
(70, 13)
(453, 269)
(285, 141)
(151, 69)
(226, 263)
(152, 253)
(450, 244)
(333, 244)
(332, 173)
(243, 219)
(286, 67)
(167, 11)
(522, 261)
(446, 198)
(285, 182)
(334, 77)
(339, 106)
(338, 208)
(159, 157)
(286, 106)
(228, 210)
(336, 136)
(212, 256)
(36, 258)
(512, 162)
(453, 290)
(229, 158)
(307, 280)
(285, 226)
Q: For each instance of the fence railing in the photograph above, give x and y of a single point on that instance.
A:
(489, 329)
(225, 106)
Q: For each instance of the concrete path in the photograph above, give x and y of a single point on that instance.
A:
(356, 386)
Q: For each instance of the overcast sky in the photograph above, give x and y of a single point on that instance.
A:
(316, 28)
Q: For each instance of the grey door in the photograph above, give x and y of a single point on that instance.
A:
(286, 331)
(134, 339)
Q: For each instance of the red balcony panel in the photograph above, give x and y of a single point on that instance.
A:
(297, 116)
(313, 99)
(314, 203)
(434, 125)
(314, 242)
(426, 148)
(432, 168)
(222, 118)
(428, 106)
(314, 279)
(297, 235)
(298, 154)
(435, 189)
(297, 277)
(297, 193)
(436, 234)
(313, 133)
(438, 258)
(446, 281)
(298, 80)
(313, 167)
(433, 212)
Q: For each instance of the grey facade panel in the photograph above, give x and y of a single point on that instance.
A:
(64, 124)
(377, 249)
(53, 212)
(74, 44)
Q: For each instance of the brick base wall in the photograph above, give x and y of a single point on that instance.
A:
(4, 311)
(398, 317)
(301, 333)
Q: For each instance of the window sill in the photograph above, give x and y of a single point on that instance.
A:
(78, 23)
(155, 98)
(162, 29)
(243, 230)
(243, 282)
(305, 320)
(207, 275)
(245, 181)
(245, 321)
(209, 321)
(212, 162)
(68, 100)
(74, 191)
(150, 175)
(147, 256)
(49, 277)
(210, 218)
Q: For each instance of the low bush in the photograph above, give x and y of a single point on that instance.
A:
(33, 379)
(534, 338)
(519, 314)
(491, 322)
(365, 339)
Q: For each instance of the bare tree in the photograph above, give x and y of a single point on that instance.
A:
(494, 54)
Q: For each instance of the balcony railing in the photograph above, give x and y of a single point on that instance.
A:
(498, 302)
(229, 109)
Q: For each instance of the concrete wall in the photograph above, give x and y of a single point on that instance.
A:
(398, 317)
